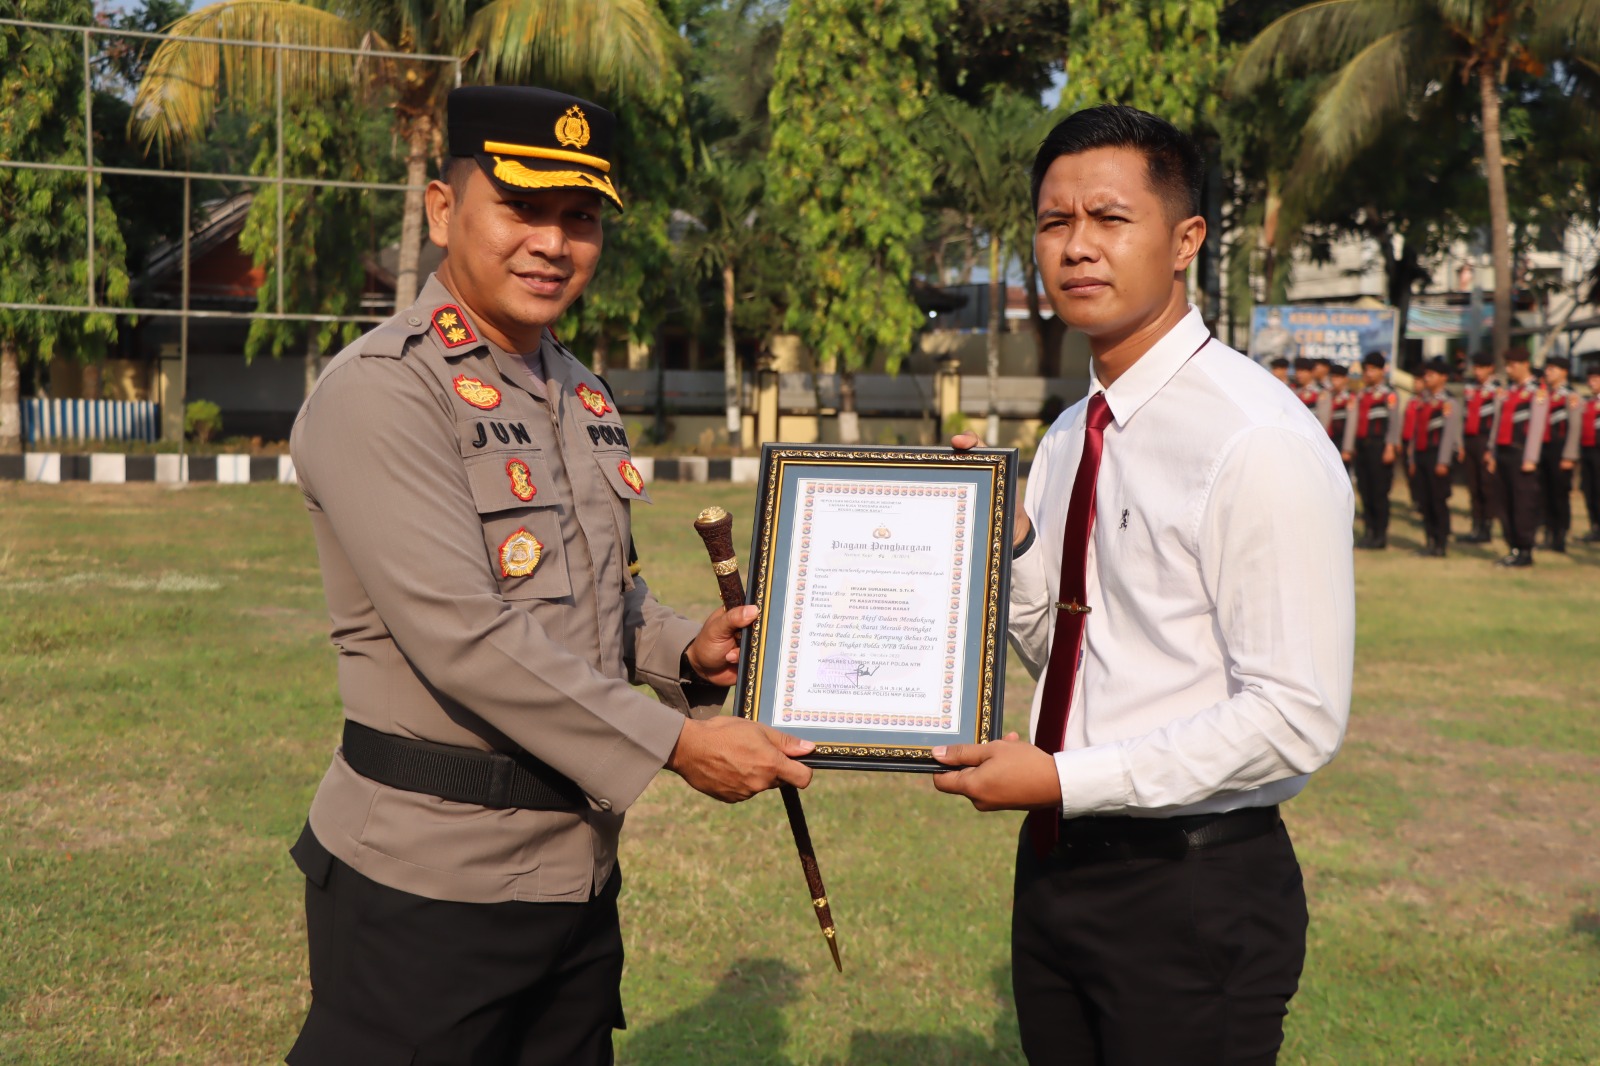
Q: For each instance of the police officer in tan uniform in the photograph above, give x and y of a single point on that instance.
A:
(470, 489)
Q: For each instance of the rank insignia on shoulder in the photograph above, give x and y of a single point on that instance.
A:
(452, 326)
(594, 401)
(522, 486)
(519, 554)
(483, 397)
(630, 474)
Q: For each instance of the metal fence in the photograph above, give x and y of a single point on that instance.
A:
(278, 180)
(57, 421)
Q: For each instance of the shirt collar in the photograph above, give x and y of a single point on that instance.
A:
(1152, 370)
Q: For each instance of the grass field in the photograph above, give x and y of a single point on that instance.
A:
(167, 706)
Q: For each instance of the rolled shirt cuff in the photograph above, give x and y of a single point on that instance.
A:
(1094, 780)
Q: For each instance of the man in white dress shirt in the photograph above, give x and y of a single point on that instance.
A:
(1159, 914)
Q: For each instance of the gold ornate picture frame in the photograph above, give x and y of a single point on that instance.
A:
(882, 575)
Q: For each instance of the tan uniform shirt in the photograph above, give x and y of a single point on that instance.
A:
(422, 452)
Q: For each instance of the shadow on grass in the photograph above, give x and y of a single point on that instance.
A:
(1587, 923)
(742, 1021)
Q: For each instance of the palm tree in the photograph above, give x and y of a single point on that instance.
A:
(603, 45)
(982, 160)
(1386, 54)
(726, 197)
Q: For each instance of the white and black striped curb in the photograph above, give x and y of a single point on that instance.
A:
(116, 469)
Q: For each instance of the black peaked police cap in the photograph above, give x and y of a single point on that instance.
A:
(526, 138)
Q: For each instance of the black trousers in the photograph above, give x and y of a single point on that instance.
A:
(1589, 465)
(1374, 479)
(1482, 488)
(1520, 493)
(405, 980)
(1132, 962)
(1555, 490)
(1434, 492)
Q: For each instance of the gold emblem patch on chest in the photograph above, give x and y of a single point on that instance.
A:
(594, 401)
(630, 474)
(522, 486)
(483, 397)
(519, 554)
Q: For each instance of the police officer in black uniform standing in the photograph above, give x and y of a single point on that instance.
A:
(1516, 439)
(1558, 455)
(1435, 439)
(1477, 413)
(1372, 441)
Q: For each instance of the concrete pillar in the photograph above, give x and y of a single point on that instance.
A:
(766, 399)
(170, 392)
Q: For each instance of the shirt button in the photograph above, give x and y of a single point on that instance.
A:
(413, 321)
(605, 805)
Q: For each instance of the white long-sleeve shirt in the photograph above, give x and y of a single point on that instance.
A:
(1218, 653)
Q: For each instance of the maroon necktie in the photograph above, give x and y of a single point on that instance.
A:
(1071, 611)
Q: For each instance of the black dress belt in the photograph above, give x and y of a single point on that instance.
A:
(463, 775)
(1093, 838)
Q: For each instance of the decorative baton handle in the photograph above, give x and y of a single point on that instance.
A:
(715, 527)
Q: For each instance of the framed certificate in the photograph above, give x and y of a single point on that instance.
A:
(882, 575)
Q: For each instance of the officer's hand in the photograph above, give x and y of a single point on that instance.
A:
(1488, 463)
(732, 758)
(1528, 468)
(714, 653)
(1347, 456)
(1003, 775)
(1442, 470)
(1411, 469)
(1566, 464)
(1388, 454)
(965, 442)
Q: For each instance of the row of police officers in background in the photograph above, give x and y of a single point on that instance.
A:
(1517, 442)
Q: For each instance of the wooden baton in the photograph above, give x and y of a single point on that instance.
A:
(715, 527)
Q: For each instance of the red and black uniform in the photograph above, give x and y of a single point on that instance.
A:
(1520, 414)
(1318, 401)
(1374, 428)
(1435, 436)
(1555, 483)
(1340, 403)
(1408, 429)
(1482, 488)
(1587, 432)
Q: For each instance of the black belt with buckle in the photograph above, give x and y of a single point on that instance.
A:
(462, 775)
(1097, 838)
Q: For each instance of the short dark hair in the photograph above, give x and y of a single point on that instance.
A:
(1375, 359)
(1516, 354)
(1177, 169)
(1560, 362)
(1338, 370)
(1279, 363)
(457, 169)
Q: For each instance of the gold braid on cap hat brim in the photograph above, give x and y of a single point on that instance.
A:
(514, 173)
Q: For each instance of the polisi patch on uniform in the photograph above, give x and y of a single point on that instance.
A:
(630, 474)
(519, 554)
(522, 486)
(602, 432)
(483, 397)
(452, 326)
(594, 401)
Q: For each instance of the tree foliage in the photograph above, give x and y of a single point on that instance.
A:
(44, 224)
(853, 79)
(1159, 56)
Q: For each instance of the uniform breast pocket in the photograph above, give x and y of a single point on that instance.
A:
(627, 485)
(521, 524)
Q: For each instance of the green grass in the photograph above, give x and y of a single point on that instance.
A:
(167, 706)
